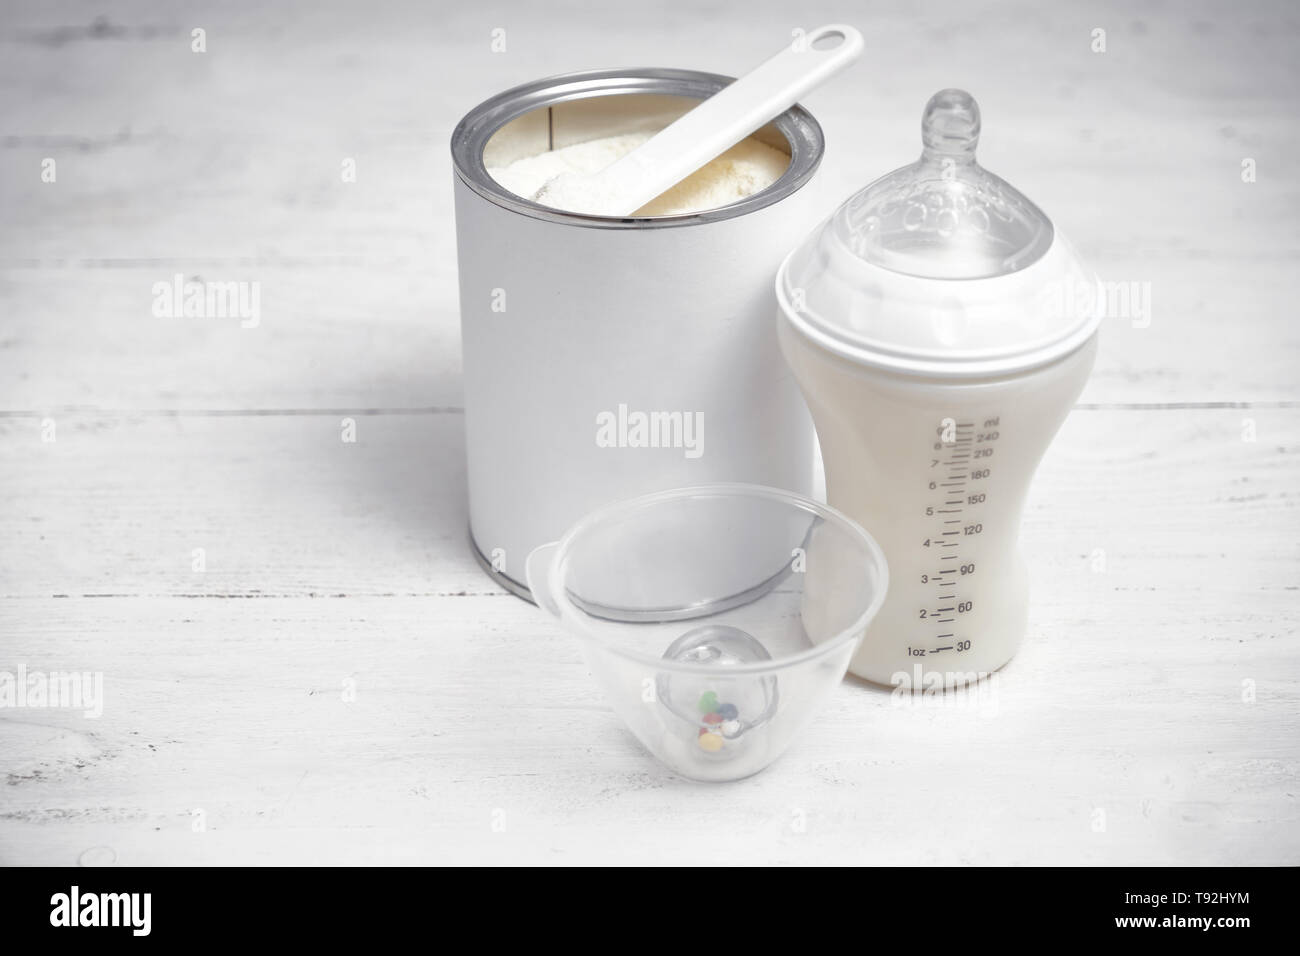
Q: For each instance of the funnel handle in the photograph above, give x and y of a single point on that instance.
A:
(537, 574)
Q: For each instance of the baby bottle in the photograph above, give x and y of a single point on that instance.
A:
(940, 328)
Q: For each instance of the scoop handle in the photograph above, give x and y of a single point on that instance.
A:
(728, 116)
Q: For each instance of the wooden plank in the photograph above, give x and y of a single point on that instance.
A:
(280, 505)
(372, 337)
(283, 506)
(467, 705)
(359, 279)
(235, 708)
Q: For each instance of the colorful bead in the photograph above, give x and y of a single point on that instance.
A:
(708, 702)
(730, 728)
(711, 742)
(714, 718)
(728, 712)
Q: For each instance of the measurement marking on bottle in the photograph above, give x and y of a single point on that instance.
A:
(956, 458)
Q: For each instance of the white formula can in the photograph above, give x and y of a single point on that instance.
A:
(606, 358)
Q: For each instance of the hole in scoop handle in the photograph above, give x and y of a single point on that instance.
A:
(537, 574)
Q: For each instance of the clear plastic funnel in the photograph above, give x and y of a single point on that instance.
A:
(718, 619)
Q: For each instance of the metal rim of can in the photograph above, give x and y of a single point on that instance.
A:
(802, 132)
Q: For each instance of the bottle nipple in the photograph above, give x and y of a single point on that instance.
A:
(944, 216)
(950, 126)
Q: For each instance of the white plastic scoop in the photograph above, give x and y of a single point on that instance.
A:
(709, 130)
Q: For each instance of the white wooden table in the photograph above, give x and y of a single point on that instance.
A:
(341, 683)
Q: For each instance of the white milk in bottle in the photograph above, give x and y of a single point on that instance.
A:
(941, 329)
